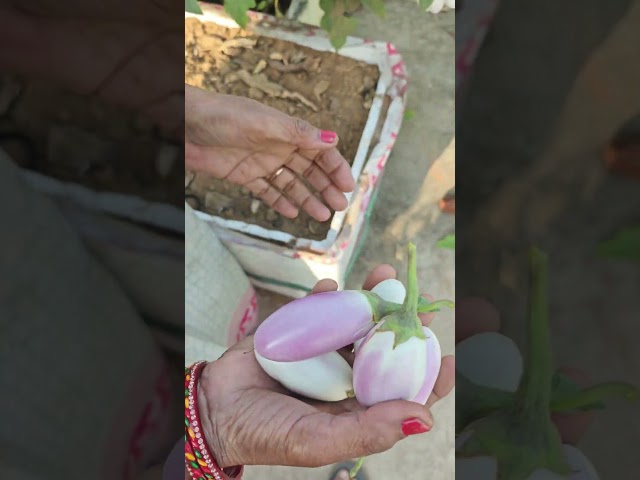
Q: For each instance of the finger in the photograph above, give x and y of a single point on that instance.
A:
(573, 426)
(378, 274)
(427, 318)
(296, 192)
(445, 382)
(228, 163)
(475, 315)
(272, 197)
(338, 408)
(302, 134)
(337, 168)
(356, 434)
(325, 285)
(319, 180)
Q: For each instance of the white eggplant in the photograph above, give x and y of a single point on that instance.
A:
(327, 377)
(486, 468)
(491, 360)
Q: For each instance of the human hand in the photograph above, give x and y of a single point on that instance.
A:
(476, 315)
(124, 53)
(266, 151)
(250, 419)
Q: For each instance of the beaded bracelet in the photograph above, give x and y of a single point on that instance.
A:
(199, 461)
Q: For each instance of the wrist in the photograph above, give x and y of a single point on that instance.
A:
(199, 107)
(206, 407)
(205, 455)
(191, 101)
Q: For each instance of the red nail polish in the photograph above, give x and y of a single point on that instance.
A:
(413, 426)
(327, 136)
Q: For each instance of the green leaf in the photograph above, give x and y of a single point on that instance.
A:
(376, 6)
(261, 5)
(448, 241)
(350, 6)
(624, 245)
(409, 114)
(424, 4)
(238, 10)
(335, 23)
(562, 386)
(192, 6)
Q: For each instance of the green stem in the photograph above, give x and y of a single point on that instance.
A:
(353, 473)
(424, 306)
(591, 395)
(277, 7)
(411, 301)
(382, 308)
(534, 392)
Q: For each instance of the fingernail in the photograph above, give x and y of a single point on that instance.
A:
(414, 426)
(327, 136)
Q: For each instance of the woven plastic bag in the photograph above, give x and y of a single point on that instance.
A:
(220, 302)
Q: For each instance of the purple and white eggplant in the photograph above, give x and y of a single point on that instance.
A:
(385, 370)
(434, 361)
(326, 322)
(318, 324)
(391, 363)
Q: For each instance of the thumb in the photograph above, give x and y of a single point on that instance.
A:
(305, 136)
(367, 432)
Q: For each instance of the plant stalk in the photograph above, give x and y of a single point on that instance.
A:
(353, 473)
(534, 392)
(594, 394)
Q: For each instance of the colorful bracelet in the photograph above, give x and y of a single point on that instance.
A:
(199, 461)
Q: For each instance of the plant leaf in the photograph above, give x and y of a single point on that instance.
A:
(335, 23)
(424, 4)
(448, 241)
(350, 6)
(563, 386)
(376, 6)
(238, 10)
(192, 6)
(409, 114)
(624, 245)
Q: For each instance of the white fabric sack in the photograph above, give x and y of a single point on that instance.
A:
(220, 302)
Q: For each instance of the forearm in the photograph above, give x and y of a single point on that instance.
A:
(205, 114)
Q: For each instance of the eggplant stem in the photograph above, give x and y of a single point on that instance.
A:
(411, 301)
(353, 473)
(534, 392)
(594, 394)
(434, 306)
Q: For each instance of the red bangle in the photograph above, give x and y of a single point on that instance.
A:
(200, 463)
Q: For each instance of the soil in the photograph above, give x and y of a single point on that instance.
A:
(83, 140)
(330, 91)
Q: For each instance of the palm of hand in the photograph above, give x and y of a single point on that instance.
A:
(257, 413)
(266, 151)
(252, 419)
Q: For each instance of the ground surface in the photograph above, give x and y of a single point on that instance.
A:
(419, 172)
